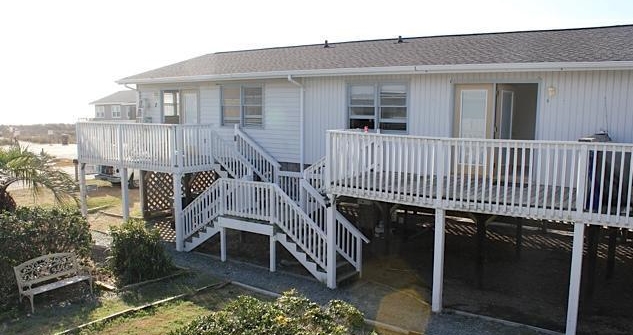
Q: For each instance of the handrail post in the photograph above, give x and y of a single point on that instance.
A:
(120, 144)
(581, 182)
(180, 146)
(440, 159)
(172, 140)
(328, 160)
(331, 243)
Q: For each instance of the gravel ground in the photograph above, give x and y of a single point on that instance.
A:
(377, 301)
(369, 297)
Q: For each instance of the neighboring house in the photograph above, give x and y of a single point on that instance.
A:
(484, 123)
(119, 106)
(116, 107)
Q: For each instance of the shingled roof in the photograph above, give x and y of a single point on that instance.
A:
(601, 44)
(117, 98)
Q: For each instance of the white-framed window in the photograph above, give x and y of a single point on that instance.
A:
(171, 103)
(116, 111)
(243, 105)
(99, 112)
(378, 106)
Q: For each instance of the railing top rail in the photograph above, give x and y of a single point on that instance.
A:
(259, 148)
(478, 140)
(157, 125)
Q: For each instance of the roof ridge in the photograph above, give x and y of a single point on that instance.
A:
(333, 44)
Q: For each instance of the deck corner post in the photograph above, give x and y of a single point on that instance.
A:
(438, 260)
(223, 244)
(273, 253)
(574, 278)
(178, 211)
(82, 190)
(331, 242)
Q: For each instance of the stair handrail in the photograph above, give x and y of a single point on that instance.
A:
(220, 148)
(202, 210)
(315, 174)
(266, 166)
(348, 238)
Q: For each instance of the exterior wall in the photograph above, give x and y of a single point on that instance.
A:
(280, 133)
(108, 113)
(586, 102)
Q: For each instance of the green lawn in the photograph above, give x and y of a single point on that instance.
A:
(62, 316)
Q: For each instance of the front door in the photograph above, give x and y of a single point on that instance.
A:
(474, 111)
(474, 118)
(190, 113)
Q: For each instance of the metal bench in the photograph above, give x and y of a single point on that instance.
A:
(48, 272)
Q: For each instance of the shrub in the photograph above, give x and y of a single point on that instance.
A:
(137, 253)
(30, 232)
(289, 314)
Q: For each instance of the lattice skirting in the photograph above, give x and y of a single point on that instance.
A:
(158, 190)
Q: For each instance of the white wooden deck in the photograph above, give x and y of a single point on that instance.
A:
(151, 147)
(533, 179)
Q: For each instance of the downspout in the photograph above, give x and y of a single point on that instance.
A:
(301, 122)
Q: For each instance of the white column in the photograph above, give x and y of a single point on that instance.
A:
(125, 198)
(178, 211)
(273, 253)
(331, 243)
(223, 244)
(574, 279)
(82, 190)
(141, 190)
(438, 261)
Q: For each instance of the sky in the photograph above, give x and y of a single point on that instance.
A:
(58, 56)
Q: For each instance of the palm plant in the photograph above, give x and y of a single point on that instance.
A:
(36, 171)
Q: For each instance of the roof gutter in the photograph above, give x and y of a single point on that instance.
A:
(413, 69)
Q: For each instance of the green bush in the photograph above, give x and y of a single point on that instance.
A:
(137, 253)
(30, 232)
(289, 314)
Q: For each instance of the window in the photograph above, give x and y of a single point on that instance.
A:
(242, 105)
(378, 106)
(99, 111)
(171, 103)
(116, 111)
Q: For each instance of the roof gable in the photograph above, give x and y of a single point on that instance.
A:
(117, 98)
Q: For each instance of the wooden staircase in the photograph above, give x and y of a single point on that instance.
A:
(300, 230)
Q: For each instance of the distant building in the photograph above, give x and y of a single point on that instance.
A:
(119, 106)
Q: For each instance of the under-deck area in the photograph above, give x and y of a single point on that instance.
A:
(499, 277)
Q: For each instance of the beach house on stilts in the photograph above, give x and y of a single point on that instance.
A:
(267, 140)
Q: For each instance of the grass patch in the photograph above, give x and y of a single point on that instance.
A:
(67, 314)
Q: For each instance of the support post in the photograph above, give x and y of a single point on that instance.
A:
(331, 243)
(438, 260)
(574, 279)
(141, 192)
(178, 212)
(273, 253)
(125, 198)
(82, 190)
(593, 236)
(223, 244)
(519, 239)
(613, 236)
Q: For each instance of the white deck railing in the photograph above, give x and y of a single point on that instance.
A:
(289, 181)
(568, 181)
(315, 173)
(152, 147)
(264, 164)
